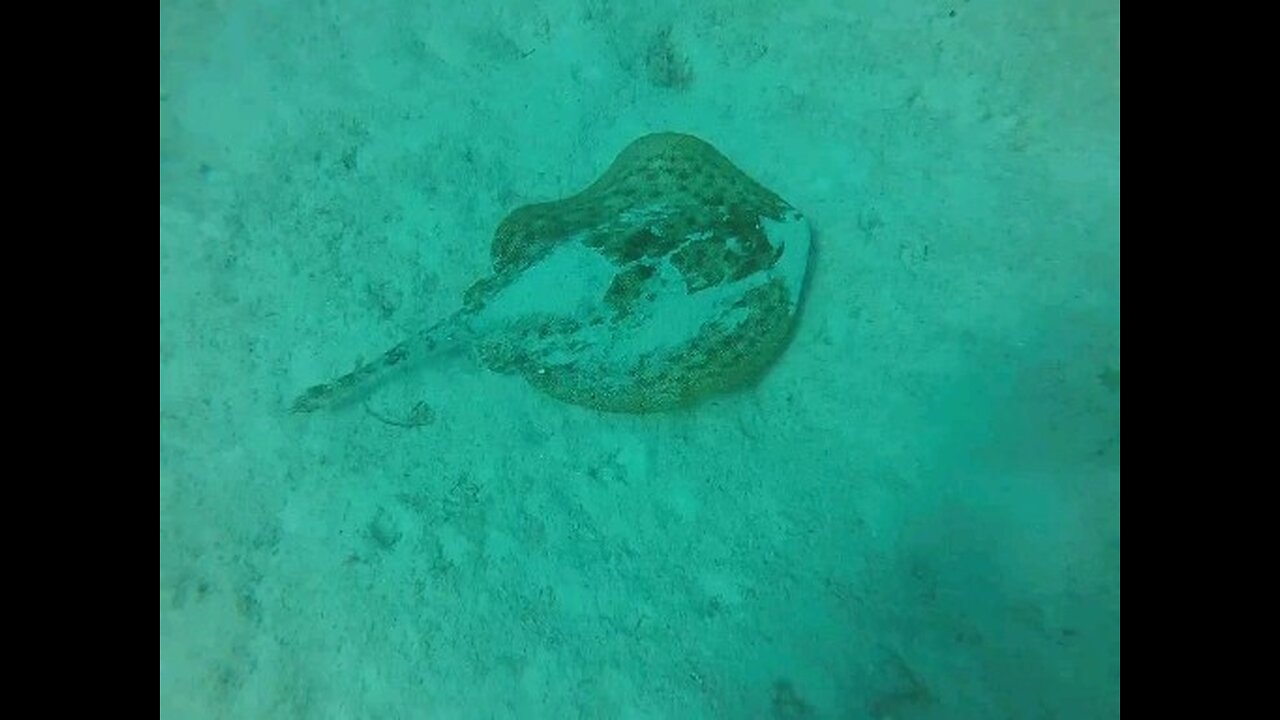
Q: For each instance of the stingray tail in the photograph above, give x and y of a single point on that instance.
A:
(360, 382)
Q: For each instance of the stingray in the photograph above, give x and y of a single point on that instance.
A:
(673, 277)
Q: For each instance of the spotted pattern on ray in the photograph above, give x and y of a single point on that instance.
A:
(672, 277)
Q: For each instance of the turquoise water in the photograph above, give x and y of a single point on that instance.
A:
(915, 513)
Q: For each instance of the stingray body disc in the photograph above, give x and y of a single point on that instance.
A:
(673, 277)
